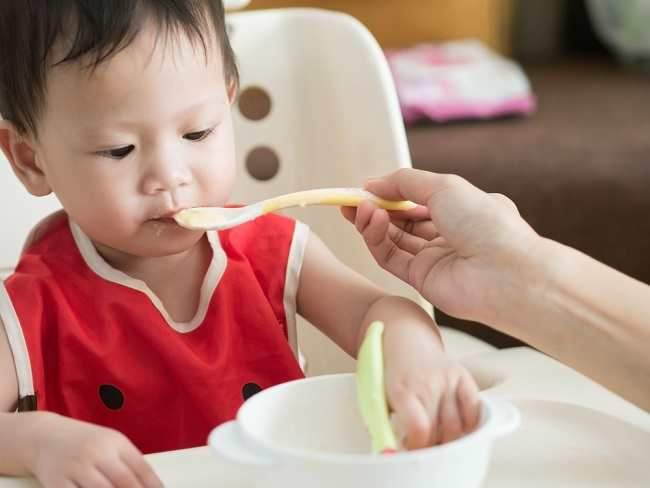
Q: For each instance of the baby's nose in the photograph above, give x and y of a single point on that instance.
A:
(165, 177)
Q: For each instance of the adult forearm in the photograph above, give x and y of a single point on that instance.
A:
(585, 314)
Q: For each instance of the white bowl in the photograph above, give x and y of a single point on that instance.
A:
(309, 433)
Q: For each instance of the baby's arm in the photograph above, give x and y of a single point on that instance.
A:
(12, 426)
(434, 397)
(60, 451)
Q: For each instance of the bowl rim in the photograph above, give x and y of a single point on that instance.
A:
(274, 451)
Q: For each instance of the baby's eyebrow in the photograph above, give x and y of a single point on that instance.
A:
(101, 130)
(214, 101)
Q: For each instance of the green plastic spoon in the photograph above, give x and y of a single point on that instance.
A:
(371, 392)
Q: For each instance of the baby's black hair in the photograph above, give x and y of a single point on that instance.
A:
(92, 31)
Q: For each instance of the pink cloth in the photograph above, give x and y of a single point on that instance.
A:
(458, 80)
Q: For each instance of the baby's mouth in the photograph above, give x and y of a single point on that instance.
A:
(167, 217)
(165, 220)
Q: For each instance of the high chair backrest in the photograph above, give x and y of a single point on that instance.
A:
(19, 212)
(317, 108)
(333, 120)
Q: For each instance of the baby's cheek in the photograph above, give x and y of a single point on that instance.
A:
(217, 183)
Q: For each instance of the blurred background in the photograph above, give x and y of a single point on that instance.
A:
(575, 157)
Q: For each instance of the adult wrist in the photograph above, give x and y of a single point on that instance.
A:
(527, 276)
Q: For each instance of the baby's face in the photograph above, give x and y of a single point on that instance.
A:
(146, 134)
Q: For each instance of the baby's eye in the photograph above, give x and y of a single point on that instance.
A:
(118, 153)
(198, 136)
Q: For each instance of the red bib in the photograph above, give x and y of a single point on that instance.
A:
(91, 343)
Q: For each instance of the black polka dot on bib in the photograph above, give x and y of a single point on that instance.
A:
(249, 390)
(111, 396)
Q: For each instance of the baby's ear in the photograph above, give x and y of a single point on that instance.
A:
(232, 90)
(20, 150)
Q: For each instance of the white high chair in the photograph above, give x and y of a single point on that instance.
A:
(317, 108)
(19, 212)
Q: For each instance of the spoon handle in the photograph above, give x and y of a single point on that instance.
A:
(371, 391)
(342, 197)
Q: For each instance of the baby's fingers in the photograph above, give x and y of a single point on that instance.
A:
(413, 421)
(459, 410)
(91, 478)
(119, 474)
(141, 469)
(468, 403)
(450, 422)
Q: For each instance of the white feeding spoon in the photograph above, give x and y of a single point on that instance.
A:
(219, 218)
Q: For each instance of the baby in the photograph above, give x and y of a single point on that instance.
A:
(122, 333)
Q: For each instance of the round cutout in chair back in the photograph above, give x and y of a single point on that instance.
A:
(254, 103)
(262, 163)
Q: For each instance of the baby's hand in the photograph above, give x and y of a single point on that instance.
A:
(433, 397)
(71, 453)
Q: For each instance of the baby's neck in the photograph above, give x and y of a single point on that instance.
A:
(176, 279)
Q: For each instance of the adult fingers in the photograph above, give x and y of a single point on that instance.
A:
(411, 184)
(373, 226)
(424, 229)
(349, 213)
(402, 236)
(416, 220)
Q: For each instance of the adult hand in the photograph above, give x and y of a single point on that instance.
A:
(472, 256)
(456, 249)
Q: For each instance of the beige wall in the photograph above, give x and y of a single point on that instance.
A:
(398, 23)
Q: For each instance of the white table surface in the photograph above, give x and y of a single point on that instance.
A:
(574, 433)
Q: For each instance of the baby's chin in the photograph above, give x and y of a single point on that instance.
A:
(153, 240)
(164, 237)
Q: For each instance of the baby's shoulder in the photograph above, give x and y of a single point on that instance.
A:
(47, 255)
(30, 284)
(53, 222)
